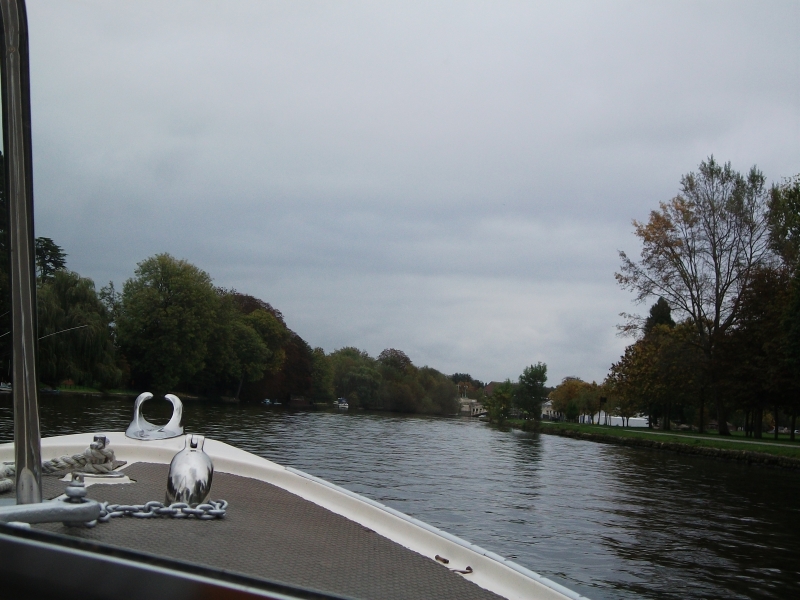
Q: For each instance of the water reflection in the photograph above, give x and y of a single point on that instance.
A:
(733, 528)
(609, 522)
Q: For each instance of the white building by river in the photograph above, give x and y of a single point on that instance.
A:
(473, 408)
(548, 414)
(604, 419)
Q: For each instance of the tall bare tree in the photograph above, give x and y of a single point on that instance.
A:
(700, 251)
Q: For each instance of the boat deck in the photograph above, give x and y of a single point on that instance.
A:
(271, 534)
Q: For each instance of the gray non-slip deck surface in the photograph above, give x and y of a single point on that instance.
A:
(273, 534)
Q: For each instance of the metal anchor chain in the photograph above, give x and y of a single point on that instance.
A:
(213, 509)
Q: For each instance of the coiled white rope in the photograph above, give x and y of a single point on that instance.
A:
(97, 458)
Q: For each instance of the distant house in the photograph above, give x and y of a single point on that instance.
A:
(473, 408)
(548, 414)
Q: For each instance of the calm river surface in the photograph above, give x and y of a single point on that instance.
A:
(606, 521)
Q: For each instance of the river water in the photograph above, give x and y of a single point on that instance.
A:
(606, 521)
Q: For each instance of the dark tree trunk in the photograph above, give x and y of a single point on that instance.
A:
(747, 423)
(776, 421)
(758, 422)
(702, 411)
(722, 417)
(794, 424)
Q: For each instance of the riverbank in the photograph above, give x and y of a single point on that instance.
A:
(776, 454)
(89, 392)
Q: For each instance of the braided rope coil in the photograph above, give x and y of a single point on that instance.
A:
(91, 460)
(97, 458)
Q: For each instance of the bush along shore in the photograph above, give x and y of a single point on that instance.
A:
(785, 456)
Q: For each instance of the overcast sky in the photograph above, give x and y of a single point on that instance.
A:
(453, 179)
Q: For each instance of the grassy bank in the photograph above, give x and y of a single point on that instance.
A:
(782, 453)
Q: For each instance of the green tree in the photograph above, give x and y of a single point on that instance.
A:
(461, 378)
(565, 397)
(396, 359)
(361, 387)
(660, 314)
(321, 378)
(75, 337)
(273, 333)
(699, 251)
(50, 257)
(251, 353)
(295, 376)
(222, 373)
(784, 220)
(624, 382)
(167, 314)
(400, 391)
(756, 354)
(791, 333)
(498, 405)
(661, 374)
(391, 382)
(440, 393)
(242, 348)
(621, 402)
(112, 301)
(572, 410)
(399, 395)
(588, 400)
(467, 386)
(530, 392)
(343, 362)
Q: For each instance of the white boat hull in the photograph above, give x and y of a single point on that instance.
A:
(488, 570)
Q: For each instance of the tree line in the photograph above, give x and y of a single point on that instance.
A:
(390, 382)
(171, 329)
(721, 343)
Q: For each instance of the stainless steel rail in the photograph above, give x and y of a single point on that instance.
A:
(19, 196)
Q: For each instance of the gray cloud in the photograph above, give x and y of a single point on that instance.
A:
(453, 179)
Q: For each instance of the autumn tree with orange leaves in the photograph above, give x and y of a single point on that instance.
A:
(700, 251)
